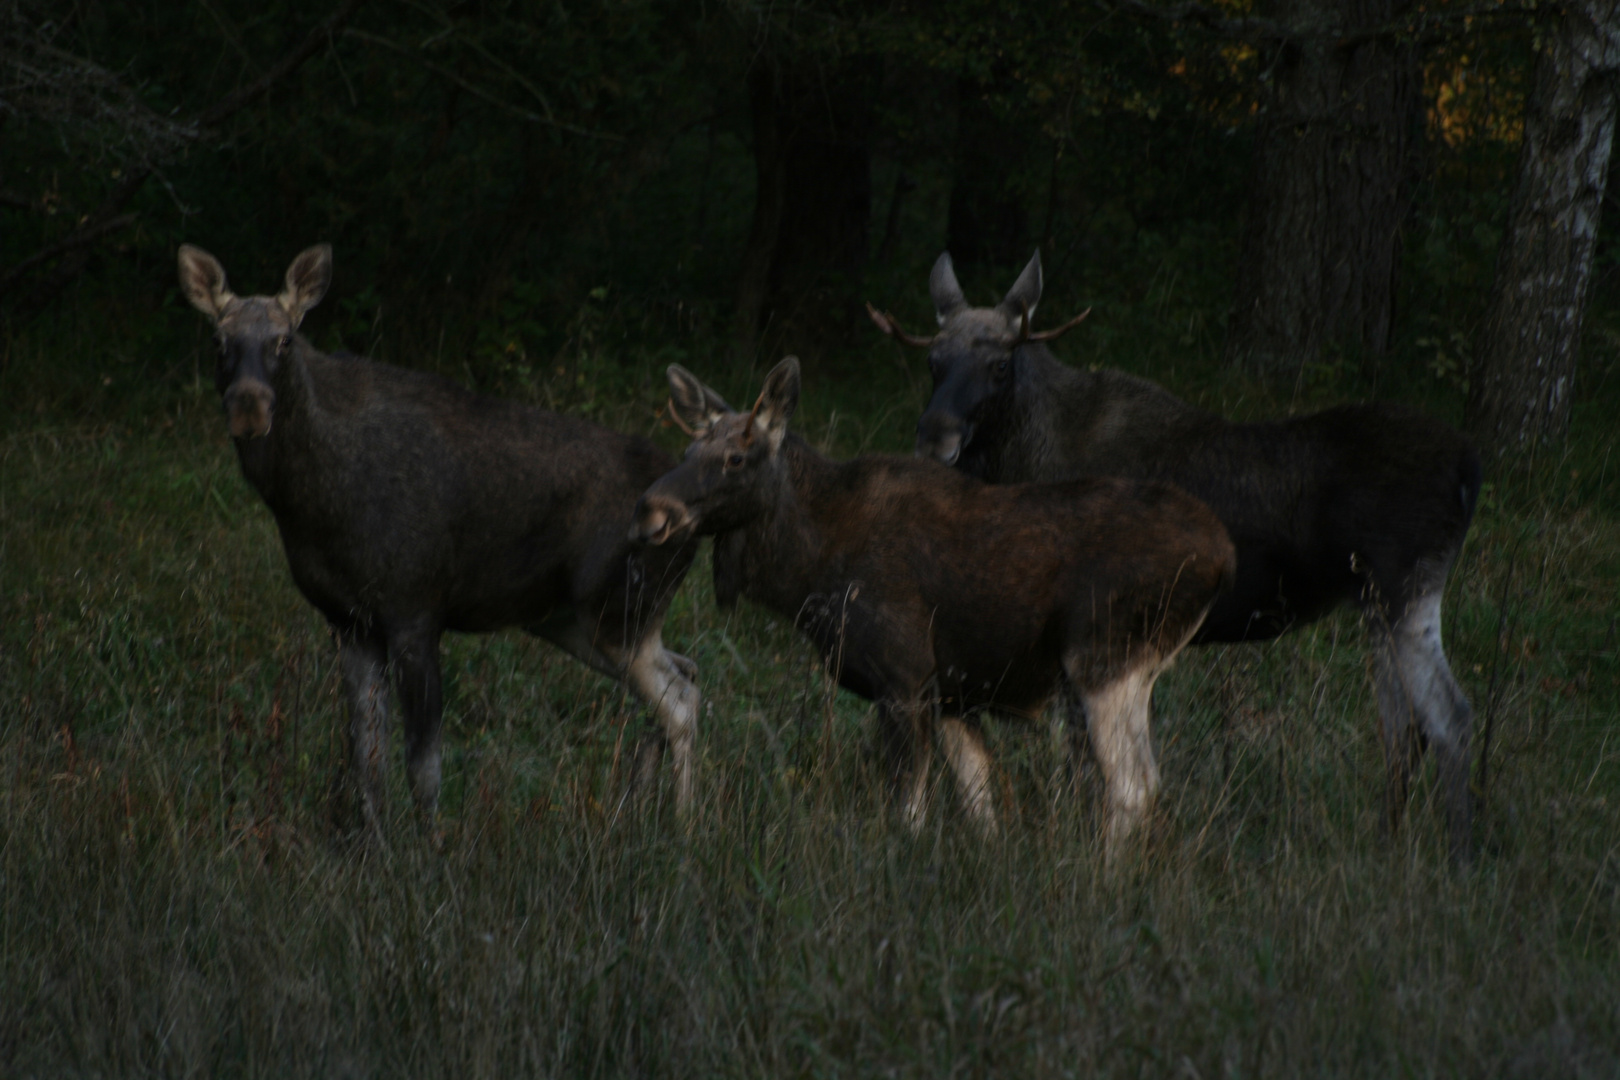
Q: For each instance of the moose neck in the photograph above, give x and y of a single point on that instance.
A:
(273, 463)
(1012, 437)
(774, 559)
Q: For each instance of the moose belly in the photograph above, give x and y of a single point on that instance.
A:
(326, 585)
(1021, 687)
(1277, 589)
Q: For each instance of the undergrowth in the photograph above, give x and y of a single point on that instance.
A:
(177, 903)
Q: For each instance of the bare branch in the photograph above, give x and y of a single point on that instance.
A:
(90, 107)
(256, 89)
(479, 92)
(84, 235)
(108, 217)
(1211, 19)
(1419, 26)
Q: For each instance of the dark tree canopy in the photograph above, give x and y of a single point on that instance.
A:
(1312, 188)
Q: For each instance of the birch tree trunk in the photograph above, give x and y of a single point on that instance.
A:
(1523, 378)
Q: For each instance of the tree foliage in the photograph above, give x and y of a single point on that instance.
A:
(754, 171)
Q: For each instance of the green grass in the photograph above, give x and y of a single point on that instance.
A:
(176, 903)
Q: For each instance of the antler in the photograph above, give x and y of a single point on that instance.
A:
(885, 322)
(1045, 335)
(676, 416)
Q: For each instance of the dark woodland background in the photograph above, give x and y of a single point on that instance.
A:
(1319, 190)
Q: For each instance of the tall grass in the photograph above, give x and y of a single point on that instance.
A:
(176, 902)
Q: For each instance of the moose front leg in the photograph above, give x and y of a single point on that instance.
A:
(1070, 732)
(1120, 715)
(414, 654)
(664, 680)
(659, 678)
(903, 735)
(363, 660)
(964, 749)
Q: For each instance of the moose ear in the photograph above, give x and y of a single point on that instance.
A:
(202, 279)
(307, 279)
(697, 408)
(1025, 293)
(777, 400)
(943, 287)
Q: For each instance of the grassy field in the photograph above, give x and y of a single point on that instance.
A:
(176, 902)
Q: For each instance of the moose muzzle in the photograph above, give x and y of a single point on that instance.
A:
(658, 519)
(249, 405)
(942, 436)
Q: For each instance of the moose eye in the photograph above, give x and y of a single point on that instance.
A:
(1001, 366)
(282, 344)
(734, 461)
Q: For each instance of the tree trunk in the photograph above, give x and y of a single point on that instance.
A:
(807, 244)
(1524, 369)
(987, 221)
(753, 278)
(1329, 189)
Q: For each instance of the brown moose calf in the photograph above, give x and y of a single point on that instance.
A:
(937, 596)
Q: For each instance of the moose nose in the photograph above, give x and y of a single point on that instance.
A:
(249, 406)
(941, 437)
(657, 520)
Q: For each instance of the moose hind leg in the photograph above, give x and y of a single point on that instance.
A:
(1397, 728)
(964, 749)
(1069, 728)
(907, 757)
(1120, 715)
(1417, 694)
(363, 661)
(414, 654)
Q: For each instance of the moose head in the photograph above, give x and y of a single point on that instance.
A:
(733, 467)
(255, 334)
(974, 357)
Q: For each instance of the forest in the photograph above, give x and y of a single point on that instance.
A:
(1269, 207)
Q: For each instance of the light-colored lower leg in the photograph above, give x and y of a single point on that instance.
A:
(413, 658)
(903, 734)
(964, 749)
(664, 680)
(655, 676)
(1417, 692)
(1119, 718)
(1068, 729)
(914, 807)
(366, 687)
(1397, 728)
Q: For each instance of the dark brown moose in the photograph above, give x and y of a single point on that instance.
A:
(409, 506)
(1360, 503)
(936, 596)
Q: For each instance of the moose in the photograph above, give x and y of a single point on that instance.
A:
(409, 506)
(938, 597)
(1361, 503)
